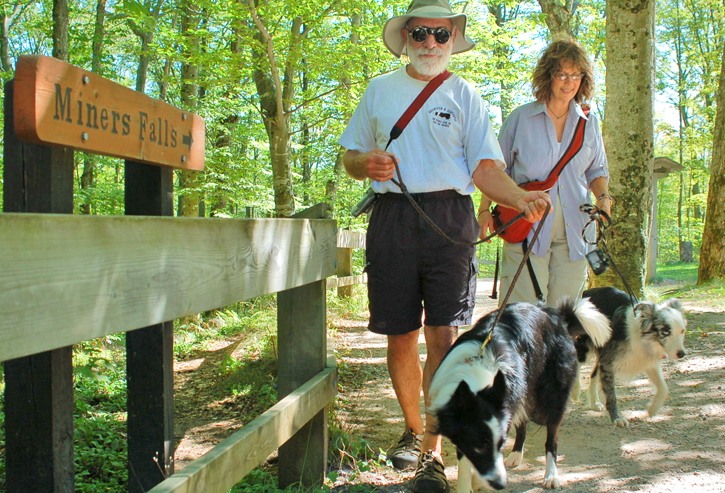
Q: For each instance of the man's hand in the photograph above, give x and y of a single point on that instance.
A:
(376, 164)
(533, 204)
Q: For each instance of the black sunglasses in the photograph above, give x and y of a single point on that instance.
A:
(420, 34)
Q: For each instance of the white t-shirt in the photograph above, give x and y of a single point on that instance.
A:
(443, 143)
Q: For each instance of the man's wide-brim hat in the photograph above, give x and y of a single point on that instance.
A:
(427, 9)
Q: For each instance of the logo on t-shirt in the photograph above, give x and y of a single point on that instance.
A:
(442, 116)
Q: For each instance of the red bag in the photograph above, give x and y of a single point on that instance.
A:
(518, 231)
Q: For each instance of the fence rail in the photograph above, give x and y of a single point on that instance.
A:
(66, 279)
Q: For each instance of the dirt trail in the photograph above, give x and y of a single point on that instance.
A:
(681, 450)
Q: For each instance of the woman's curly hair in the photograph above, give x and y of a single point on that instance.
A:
(562, 50)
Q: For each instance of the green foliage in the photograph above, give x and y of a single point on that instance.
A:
(100, 423)
(258, 481)
(191, 334)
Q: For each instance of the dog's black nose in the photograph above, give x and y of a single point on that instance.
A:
(681, 354)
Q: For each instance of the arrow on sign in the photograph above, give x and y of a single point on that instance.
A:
(187, 140)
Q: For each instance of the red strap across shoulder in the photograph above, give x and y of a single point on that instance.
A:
(417, 104)
(574, 147)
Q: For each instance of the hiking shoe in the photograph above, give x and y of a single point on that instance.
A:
(430, 476)
(405, 454)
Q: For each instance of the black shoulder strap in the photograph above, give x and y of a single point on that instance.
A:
(532, 275)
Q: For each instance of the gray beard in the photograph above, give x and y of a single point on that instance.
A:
(426, 67)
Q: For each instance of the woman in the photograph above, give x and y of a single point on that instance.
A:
(532, 139)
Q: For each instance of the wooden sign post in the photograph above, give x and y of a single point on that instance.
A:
(63, 105)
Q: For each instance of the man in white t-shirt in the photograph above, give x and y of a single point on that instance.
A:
(447, 148)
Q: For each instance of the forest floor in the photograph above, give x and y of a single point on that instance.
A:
(680, 450)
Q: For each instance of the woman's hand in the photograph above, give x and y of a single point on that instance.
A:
(488, 226)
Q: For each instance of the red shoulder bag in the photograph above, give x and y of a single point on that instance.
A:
(518, 231)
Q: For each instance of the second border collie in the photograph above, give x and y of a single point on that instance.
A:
(642, 336)
(525, 372)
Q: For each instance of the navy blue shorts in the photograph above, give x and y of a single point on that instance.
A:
(413, 271)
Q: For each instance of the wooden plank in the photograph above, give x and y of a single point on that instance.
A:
(39, 388)
(336, 282)
(227, 463)
(344, 269)
(350, 239)
(66, 279)
(317, 211)
(59, 104)
(302, 345)
(149, 190)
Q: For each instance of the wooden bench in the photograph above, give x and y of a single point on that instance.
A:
(66, 279)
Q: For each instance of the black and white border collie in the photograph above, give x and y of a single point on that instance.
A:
(526, 372)
(642, 336)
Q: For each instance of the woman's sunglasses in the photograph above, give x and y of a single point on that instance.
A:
(420, 34)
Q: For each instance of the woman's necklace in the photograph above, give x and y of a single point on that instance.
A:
(557, 116)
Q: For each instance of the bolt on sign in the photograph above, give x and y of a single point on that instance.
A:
(60, 104)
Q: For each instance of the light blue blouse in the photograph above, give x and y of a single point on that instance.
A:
(531, 150)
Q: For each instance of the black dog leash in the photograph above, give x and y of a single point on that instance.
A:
(397, 130)
(602, 221)
(505, 301)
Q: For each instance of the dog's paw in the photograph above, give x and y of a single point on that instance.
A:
(514, 459)
(597, 406)
(621, 423)
(653, 409)
(551, 482)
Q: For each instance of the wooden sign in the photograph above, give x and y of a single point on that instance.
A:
(60, 104)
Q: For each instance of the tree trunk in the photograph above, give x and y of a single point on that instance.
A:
(146, 37)
(60, 29)
(629, 135)
(712, 252)
(89, 160)
(502, 53)
(558, 16)
(189, 181)
(274, 100)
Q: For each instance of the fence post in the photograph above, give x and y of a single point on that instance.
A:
(344, 269)
(149, 352)
(302, 344)
(38, 388)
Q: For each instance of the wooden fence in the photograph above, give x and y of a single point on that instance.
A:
(66, 279)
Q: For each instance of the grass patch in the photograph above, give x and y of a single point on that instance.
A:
(677, 271)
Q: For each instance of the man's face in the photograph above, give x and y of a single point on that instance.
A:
(429, 57)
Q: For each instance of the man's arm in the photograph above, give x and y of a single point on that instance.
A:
(376, 164)
(499, 187)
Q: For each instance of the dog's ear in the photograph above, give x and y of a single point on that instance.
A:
(673, 303)
(463, 396)
(645, 314)
(496, 392)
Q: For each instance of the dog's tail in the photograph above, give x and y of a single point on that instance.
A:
(582, 317)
